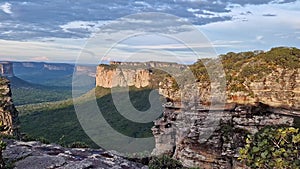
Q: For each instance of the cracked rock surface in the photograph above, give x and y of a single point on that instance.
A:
(35, 155)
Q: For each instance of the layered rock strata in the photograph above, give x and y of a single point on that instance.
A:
(6, 69)
(8, 112)
(211, 139)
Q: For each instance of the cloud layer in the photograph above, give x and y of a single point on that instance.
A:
(57, 30)
(33, 19)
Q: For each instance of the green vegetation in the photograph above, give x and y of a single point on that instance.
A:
(78, 144)
(287, 58)
(165, 162)
(23, 96)
(24, 92)
(273, 147)
(58, 123)
(249, 66)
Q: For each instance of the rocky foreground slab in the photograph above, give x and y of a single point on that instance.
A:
(35, 155)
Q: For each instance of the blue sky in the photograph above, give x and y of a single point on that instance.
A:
(60, 30)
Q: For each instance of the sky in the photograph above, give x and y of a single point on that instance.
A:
(92, 31)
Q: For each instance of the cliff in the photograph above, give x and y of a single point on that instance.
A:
(122, 77)
(211, 139)
(137, 74)
(8, 112)
(6, 69)
(272, 78)
(262, 89)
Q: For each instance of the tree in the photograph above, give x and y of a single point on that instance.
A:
(273, 147)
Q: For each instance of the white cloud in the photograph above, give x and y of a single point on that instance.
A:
(91, 26)
(210, 14)
(51, 51)
(6, 7)
(193, 10)
(224, 43)
(40, 58)
(259, 38)
(258, 32)
(143, 3)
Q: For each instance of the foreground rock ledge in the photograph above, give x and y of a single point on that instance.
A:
(34, 155)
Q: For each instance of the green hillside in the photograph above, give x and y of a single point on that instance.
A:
(250, 66)
(57, 122)
(28, 93)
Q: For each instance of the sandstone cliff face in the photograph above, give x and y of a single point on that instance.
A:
(8, 112)
(280, 88)
(210, 139)
(122, 77)
(6, 69)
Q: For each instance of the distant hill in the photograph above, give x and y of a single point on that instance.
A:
(37, 82)
(27, 93)
(50, 74)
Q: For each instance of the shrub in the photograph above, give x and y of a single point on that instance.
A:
(165, 162)
(273, 148)
(78, 144)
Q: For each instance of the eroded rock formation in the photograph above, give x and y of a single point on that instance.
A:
(137, 74)
(8, 112)
(280, 88)
(122, 77)
(209, 137)
(6, 69)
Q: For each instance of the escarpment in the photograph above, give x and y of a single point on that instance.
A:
(272, 78)
(6, 69)
(261, 90)
(109, 78)
(8, 112)
(137, 74)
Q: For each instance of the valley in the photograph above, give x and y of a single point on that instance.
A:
(262, 90)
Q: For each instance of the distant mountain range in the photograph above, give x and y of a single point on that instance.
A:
(36, 82)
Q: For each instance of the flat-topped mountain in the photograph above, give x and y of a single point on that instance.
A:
(271, 77)
(6, 69)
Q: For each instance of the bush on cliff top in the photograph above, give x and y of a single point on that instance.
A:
(273, 148)
(164, 162)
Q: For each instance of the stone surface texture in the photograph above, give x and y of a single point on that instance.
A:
(35, 155)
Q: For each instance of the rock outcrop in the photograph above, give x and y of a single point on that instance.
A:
(280, 88)
(122, 77)
(6, 69)
(137, 74)
(34, 155)
(260, 92)
(8, 112)
(211, 139)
